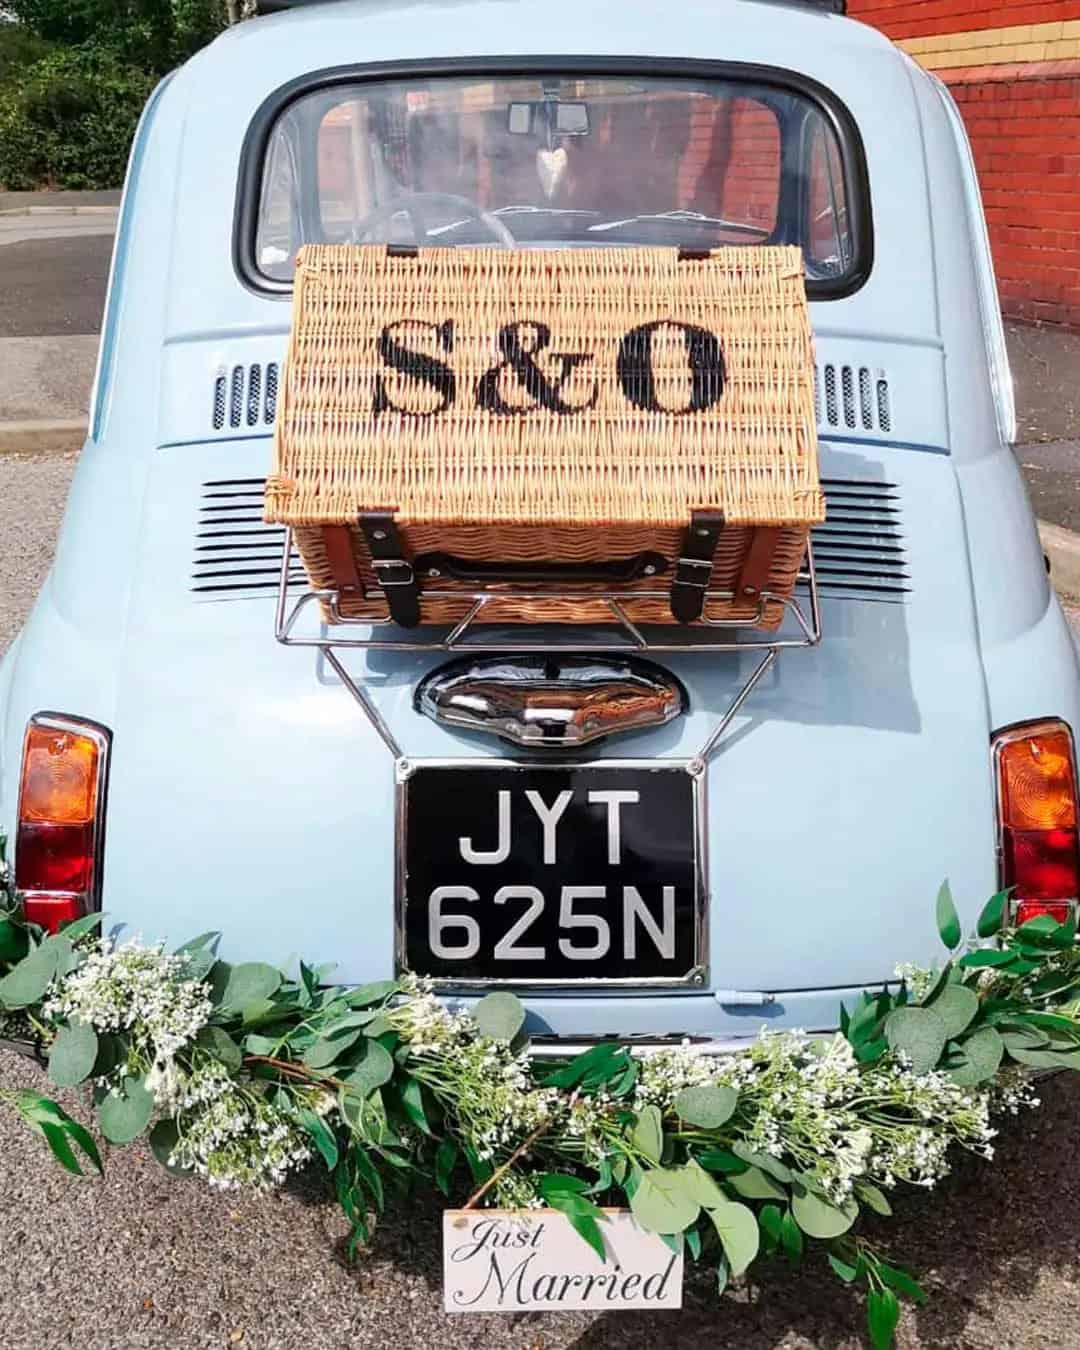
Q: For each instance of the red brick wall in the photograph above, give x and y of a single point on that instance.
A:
(1024, 124)
(920, 18)
(1026, 137)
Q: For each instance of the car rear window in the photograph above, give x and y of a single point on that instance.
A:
(555, 160)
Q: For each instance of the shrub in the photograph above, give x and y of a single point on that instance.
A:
(19, 49)
(67, 122)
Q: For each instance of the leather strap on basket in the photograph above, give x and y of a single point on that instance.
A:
(393, 570)
(757, 565)
(337, 541)
(693, 569)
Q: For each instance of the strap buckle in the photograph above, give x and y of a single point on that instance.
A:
(394, 572)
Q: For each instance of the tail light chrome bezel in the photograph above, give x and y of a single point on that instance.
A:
(90, 898)
(1000, 740)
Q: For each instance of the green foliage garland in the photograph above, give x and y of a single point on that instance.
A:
(241, 1073)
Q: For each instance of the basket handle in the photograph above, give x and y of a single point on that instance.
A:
(541, 570)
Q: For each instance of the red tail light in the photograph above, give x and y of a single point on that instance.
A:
(61, 818)
(1039, 851)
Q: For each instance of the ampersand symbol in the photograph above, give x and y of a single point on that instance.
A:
(518, 357)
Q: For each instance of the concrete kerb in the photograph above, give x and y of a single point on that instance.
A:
(59, 211)
(53, 437)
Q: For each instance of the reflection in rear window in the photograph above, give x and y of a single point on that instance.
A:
(548, 162)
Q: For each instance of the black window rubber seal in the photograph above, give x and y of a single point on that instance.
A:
(840, 120)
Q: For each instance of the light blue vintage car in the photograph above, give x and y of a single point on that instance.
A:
(747, 826)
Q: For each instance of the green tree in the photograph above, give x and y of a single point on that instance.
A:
(154, 35)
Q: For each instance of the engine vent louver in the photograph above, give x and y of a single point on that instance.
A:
(245, 396)
(852, 398)
(859, 551)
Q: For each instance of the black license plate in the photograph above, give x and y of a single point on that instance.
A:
(562, 874)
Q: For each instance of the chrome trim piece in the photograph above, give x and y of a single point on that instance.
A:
(571, 637)
(695, 977)
(544, 1047)
(565, 637)
(551, 702)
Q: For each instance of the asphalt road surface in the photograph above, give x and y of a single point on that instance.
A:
(53, 284)
(138, 1261)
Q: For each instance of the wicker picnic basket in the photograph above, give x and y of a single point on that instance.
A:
(548, 427)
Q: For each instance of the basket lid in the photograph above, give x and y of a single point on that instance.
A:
(572, 386)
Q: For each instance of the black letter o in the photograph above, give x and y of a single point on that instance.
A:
(635, 370)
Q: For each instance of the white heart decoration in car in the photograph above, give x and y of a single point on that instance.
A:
(551, 165)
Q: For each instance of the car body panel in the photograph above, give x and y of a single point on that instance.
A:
(247, 790)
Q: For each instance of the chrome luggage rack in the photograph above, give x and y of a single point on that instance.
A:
(467, 636)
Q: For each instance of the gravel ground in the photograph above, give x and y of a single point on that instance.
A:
(138, 1261)
(33, 489)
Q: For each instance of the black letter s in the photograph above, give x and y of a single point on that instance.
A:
(417, 367)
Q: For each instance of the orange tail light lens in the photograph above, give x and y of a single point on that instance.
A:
(61, 816)
(1039, 852)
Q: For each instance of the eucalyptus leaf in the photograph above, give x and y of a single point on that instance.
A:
(818, 1218)
(72, 1055)
(200, 943)
(765, 1161)
(375, 1068)
(125, 1112)
(412, 1101)
(77, 928)
(843, 1269)
(982, 1053)
(918, 1033)
(992, 918)
(901, 1281)
(27, 981)
(985, 957)
(366, 994)
(327, 1049)
(14, 941)
(163, 1140)
(882, 1316)
(956, 1005)
(647, 1135)
(948, 921)
(708, 1107)
(322, 1136)
(770, 1221)
(112, 1051)
(701, 1186)
(255, 1044)
(755, 1185)
(1046, 1059)
(446, 1157)
(49, 1119)
(662, 1202)
(499, 1016)
(721, 1160)
(737, 1229)
(250, 983)
(218, 979)
(791, 1238)
(221, 1046)
(873, 1198)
